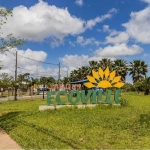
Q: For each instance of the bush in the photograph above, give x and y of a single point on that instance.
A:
(124, 102)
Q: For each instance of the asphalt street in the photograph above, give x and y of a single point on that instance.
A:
(21, 97)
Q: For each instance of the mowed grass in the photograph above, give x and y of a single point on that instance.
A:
(108, 127)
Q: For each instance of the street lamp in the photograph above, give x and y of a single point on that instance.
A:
(43, 90)
(16, 87)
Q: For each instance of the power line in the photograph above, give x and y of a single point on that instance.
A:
(65, 71)
(33, 59)
(31, 70)
(31, 73)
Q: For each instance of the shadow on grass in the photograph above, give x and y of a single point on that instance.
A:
(11, 120)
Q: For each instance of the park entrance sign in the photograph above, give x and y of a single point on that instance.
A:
(101, 79)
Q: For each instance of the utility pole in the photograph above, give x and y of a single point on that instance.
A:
(59, 77)
(15, 98)
(67, 73)
(37, 71)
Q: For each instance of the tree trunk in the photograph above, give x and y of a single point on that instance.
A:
(146, 92)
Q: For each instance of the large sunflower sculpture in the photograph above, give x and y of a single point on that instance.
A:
(104, 79)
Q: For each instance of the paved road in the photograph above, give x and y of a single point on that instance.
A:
(21, 97)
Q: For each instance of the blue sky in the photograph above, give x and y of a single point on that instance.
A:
(74, 32)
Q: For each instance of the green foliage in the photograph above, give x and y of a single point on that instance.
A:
(9, 41)
(124, 102)
(138, 86)
(5, 80)
(101, 127)
(145, 83)
(128, 87)
(138, 69)
(66, 80)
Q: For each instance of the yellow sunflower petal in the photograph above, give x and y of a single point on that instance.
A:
(104, 84)
(106, 73)
(101, 73)
(91, 79)
(116, 79)
(112, 75)
(95, 75)
(119, 85)
(89, 85)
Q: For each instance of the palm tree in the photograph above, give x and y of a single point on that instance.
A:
(93, 65)
(138, 69)
(121, 68)
(74, 75)
(105, 62)
(86, 70)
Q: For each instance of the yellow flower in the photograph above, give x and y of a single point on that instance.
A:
(104, 79)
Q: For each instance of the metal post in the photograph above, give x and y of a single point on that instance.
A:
(43, 90)
(15, 98)
(59, 77)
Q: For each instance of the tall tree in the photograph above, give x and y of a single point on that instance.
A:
(121, 68)
(94, 65)
(74, 75)
(50, 81)
(43, 80)
(5, 81)
(138, 69)
(105, 62)
(9, 41)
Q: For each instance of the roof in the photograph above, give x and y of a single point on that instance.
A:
(79, 82)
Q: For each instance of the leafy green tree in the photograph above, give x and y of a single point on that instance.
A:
(138, 86)
(43, 80)
(5, 81)
(50, 81)
(66, 80)
(9, 41)
(128, 87)
(146, 85)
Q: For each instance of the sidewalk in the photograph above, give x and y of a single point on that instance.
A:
(6, 142)
(20, 97)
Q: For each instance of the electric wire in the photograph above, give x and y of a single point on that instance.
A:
(32, 59)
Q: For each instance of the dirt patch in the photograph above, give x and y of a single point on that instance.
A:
(6, 142)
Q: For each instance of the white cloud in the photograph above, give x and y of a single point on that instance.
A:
(111, 52)
(113, 10)
(138, 26)
(121, 37)
(118, 50)
(111, 31)
(106, 28)
(79, 2)
(42, 21)
(74, 61)
(83, 42)
(25, 65)
(147, 1)
(93, 22)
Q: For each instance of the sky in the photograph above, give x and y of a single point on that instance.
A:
(74, 32)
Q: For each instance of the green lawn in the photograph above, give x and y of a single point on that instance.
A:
(71, 128)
